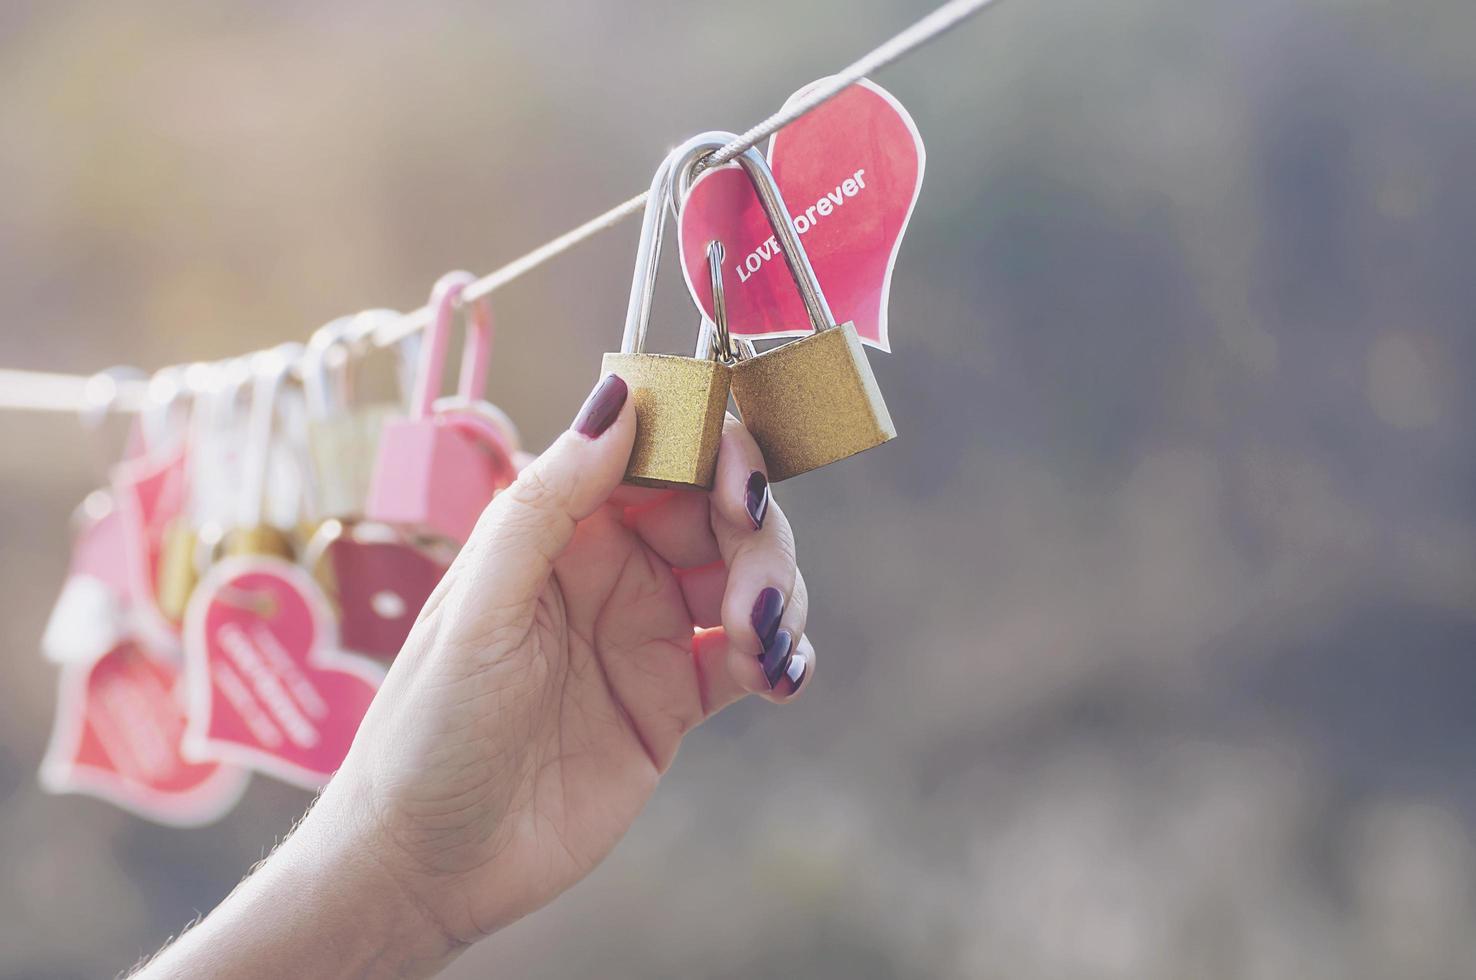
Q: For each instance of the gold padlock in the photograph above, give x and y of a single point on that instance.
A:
(259, 539)
(351, 388)
(177, 574)
(679, 401)
(811, 401)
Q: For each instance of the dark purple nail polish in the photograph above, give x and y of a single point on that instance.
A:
(795, 673)
(767, 609)
(777, 655)
(602, 406)
(756, 498)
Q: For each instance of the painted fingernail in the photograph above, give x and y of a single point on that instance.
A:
(602, 406)
(756, 498)
(795, 673)
(767, 609)
(777, 655)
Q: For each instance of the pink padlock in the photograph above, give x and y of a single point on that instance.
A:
(438, 469)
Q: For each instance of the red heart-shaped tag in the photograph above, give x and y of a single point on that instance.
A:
(117, 736)
(850, 171)
(268, 686)
(380, 584)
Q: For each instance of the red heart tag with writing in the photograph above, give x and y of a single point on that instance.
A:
(268, 686)
(119, 725)
(850, 171)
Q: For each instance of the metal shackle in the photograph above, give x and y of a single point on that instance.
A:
(648, 256)
(325, 367)
(271, 370)
(689, 157)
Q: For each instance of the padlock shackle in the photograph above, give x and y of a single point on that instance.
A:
(648, 257)
(270, 370)
(158, 420)
(366, 326)
(325, 368)
(689, 163)
(216, 406)
(445, 297)
(713, 339)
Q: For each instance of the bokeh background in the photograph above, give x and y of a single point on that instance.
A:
(1148, 650)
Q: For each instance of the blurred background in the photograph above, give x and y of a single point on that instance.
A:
(1149, 649)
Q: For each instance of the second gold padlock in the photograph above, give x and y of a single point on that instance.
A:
(811, 401)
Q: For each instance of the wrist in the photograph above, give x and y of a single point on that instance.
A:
(322, 905)
(335, 859)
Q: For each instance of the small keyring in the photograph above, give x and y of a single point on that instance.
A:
(724, 345)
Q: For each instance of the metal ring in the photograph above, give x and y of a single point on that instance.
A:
(723, 346)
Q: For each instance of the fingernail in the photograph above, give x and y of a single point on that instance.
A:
(795, 673)
(777, 656)
(767, 609)
(602, 407)
(756, 498)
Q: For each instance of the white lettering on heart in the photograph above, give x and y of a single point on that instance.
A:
(803, 222)
(267, 685)
(225, 678)
(128, 727)
(297, 682)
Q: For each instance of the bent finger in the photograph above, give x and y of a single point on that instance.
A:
(512, 549)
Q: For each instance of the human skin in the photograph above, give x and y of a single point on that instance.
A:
(584, 629)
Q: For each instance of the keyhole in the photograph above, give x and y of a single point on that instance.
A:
(387, 605)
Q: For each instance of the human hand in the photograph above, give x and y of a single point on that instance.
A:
(553, 673)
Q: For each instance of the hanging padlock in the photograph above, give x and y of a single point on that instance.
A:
(439, 468)
(336, 438)
(253, 531)
(376, 576)
(810, 401)
(349, 397)
(191, 536)
(219, 430)
(679, 401)
(151, 486)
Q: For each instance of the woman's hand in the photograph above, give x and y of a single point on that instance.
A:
(584, 629)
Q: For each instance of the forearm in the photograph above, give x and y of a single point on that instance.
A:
(320, 906)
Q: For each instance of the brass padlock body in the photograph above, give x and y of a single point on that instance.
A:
(262, 539)
(680, 403)
(176, 574)
(811, 402)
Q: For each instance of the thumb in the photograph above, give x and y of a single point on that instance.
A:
(511, 552)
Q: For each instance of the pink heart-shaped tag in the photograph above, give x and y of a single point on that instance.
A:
(117, 736)
(268, 686)
(850, 171)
